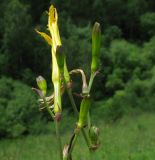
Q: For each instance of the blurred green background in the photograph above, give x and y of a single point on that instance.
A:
(123, 92)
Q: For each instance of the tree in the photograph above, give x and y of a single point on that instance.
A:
(16, 42)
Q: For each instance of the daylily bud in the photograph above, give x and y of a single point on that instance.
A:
(84, 108)
(96, 44)
(41, 82)
(66, 75)
(94, 137)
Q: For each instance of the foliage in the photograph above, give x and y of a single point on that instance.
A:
(129, 79)
(148, 23)
(18, 109)
(16, 43)
(111, 33)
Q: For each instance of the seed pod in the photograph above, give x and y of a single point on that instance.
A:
(41, 82)
(84, 108)
(96, 45)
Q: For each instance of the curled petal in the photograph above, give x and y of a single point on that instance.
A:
(46, 37)
(84, 85)
(53, 16)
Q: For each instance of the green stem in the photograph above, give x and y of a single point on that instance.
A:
(65, 158)
(85, 137)
(56, 128)
(91, 153)
(73, 142)
(92, 76)
(72, 102)
(91, 81)
(59, 139)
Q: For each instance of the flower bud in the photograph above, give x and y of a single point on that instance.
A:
(66, 73)
(94, 134)
(96, 45)
(41, 82)
(94, 137)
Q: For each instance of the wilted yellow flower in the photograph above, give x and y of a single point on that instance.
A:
(53, 26)
(55, 41)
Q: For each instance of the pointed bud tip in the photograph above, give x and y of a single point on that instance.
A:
(97, 28)
(40, 79)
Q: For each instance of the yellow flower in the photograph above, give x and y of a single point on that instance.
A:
(55, 41)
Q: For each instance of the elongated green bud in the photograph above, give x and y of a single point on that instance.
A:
(96, 45)
(84, 108)
(41, 82)
(60, 59)
(66, 75)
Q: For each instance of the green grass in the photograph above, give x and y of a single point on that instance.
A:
(132, 138)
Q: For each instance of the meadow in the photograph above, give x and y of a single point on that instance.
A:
(130, 138)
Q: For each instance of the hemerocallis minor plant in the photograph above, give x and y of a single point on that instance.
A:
(61, 79)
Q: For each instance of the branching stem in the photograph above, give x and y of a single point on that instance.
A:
(77, 114)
